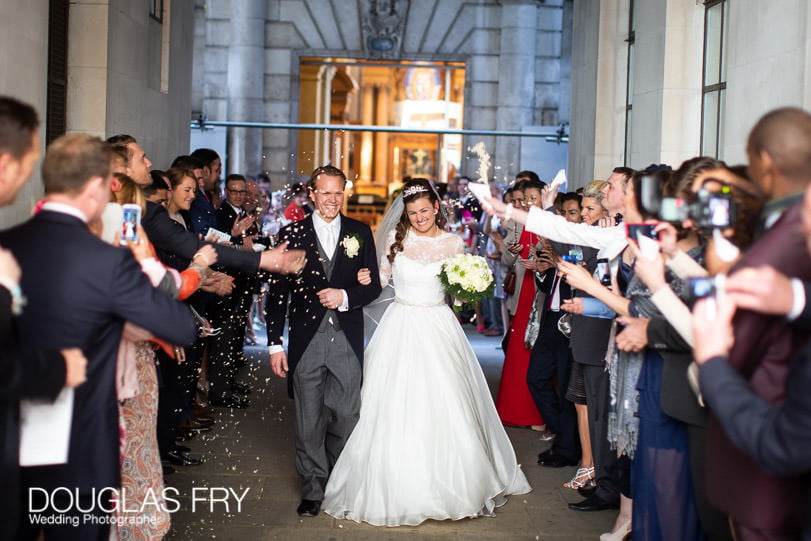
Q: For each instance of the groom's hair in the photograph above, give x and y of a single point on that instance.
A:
(327, 171)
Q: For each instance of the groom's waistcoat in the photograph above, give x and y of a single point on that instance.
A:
(331, 317)
(306, 314)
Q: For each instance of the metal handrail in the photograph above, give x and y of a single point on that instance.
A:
(203, 123)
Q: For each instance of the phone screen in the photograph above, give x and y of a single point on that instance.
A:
(646, 230)
(719, 211)
(604, 272)
(129, 223)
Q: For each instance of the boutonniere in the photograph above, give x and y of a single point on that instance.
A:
(352, 244)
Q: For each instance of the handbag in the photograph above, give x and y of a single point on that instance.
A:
(509, 282)
(534, 321)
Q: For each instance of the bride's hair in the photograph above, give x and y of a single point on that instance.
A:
(414, 189)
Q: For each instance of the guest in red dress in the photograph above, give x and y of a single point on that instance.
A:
(295, 210)
(514, 403)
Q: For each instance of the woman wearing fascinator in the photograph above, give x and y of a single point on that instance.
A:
(429, 443)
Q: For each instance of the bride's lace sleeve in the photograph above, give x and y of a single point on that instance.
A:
(453, 245)
(384, 263)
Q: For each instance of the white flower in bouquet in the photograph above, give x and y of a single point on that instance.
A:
(467, 279)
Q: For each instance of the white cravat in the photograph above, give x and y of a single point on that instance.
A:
(330, 237)
(327, 233)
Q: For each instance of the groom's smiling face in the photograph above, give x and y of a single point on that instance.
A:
(328, 196)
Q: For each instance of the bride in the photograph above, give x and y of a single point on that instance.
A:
(429, 443)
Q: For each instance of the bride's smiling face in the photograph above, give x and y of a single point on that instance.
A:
(422, 214)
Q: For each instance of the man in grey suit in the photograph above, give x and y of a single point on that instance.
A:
(325, 351)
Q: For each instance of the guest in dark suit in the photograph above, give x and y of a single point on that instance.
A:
(204, 210)
(230, 312)
(549, 362)
(760, 504)
(80, 292)
(27, 372)
(325, 352)
(776, 436)
(176, 245)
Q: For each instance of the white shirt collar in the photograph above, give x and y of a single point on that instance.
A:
(63, 208)
(238, 210)
(320, 223)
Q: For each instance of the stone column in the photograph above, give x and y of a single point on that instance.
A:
(516, 79)
(246, 71)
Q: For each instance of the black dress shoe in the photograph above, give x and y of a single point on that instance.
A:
(553, 459)
(190, 425)
(182, 448)
(308, 508)
(185, 435)
(230, 401)
(594, 503)
(179, 459)
(587, 490)
(241, 388)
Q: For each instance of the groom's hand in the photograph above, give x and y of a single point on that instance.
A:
(278, 362)
(331, 298)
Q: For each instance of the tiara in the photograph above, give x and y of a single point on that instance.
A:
(411, 190)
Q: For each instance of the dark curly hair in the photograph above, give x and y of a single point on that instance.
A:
(414, 189)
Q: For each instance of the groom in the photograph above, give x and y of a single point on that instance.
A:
(325, 350)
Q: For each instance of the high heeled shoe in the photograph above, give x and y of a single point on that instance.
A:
(622, 532)
(582, 477)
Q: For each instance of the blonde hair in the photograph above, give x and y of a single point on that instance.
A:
(594, 189)
(130, 192)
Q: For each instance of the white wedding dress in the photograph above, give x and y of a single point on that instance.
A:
(429, 443)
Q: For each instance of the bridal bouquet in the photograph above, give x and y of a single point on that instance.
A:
(467, 279)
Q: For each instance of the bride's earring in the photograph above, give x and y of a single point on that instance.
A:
(436, 211)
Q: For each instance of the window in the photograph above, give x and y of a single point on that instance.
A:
(629, 80)
(156, 10)
(56, 112)
(714, 81)
(159, 44)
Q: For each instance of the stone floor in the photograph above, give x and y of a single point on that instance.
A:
(253, 450)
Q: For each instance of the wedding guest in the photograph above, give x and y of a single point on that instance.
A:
(99, 287)
(28, 373)
(295, 210)
(140, 399)
(137, 163)
(775, 435)
(592, 210)
(514, 402)
(159, 190)
(611, 242)
(548, 370)
(203, 209)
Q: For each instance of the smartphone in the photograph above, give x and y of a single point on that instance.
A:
(707, 286)
(633, 231)
(604, 272)
(130, 220)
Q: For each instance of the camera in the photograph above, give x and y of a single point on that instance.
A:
(711, 210)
